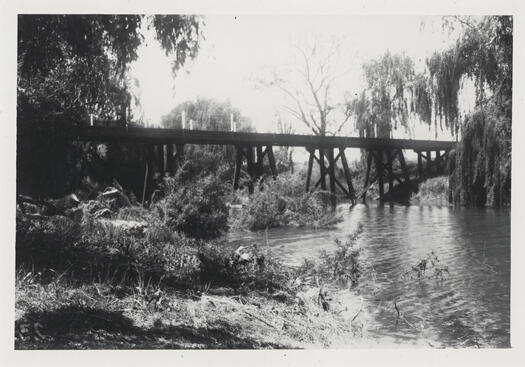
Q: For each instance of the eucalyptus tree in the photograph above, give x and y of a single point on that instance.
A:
(308, 87)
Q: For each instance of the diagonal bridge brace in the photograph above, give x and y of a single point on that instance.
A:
(329, 167)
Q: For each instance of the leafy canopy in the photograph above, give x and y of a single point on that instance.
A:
(207, 114)
(393, 91)
(73, 65)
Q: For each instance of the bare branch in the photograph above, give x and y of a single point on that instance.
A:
(463, 21)
(342, 124)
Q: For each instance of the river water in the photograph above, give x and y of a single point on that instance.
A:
(468, 307)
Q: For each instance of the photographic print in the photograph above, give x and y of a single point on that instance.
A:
(214, 181)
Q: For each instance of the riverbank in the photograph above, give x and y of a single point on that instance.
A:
(103, 278)
(90, 281)
(100, 316)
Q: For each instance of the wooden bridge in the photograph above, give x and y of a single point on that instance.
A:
(252, 148)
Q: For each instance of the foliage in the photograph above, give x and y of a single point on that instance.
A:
(70, 66)
(199, 163)
(482, 172)
(103, 251)
(482, 54)
(433, 191)
(248, 269)
(194, 200)
(341, 267)
(394, 91)
(207, 114)
(283, 202)
(197, 209)
(76, 64)
(430, 261)
(44, 241)
(284, 155)
(482, 166)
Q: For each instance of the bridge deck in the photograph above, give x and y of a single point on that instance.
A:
(179, 136)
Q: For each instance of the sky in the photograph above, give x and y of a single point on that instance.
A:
(238, 51)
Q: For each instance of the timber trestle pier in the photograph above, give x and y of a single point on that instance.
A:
(165, 147)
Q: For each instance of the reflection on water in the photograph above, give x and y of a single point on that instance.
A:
(470, 307)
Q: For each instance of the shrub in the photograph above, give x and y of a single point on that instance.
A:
(433, 191)
(197, 209)
(102, 251)
(342, 266)
(430, 261)
(283, 202)
(158, 254)
(243, 268)
(199, 163)
(45, 241)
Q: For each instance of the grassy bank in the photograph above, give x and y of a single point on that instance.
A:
(96, 316)
(128, 280)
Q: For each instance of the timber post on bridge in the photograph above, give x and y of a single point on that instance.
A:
(160, 158)
(254, 163)
(329, 169)
(384, 160)
(385, 155)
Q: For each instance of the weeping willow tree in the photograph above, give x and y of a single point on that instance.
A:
(394, 92)
(481, 166)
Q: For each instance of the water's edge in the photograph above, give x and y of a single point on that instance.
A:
(470, 306)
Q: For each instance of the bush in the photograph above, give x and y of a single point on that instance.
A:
(157, 254)
(102, 251)
(201, 162)
(433, 191)
(45, 241)
(342, 266)
(283, 202)
(243, 268)
(197, 209)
